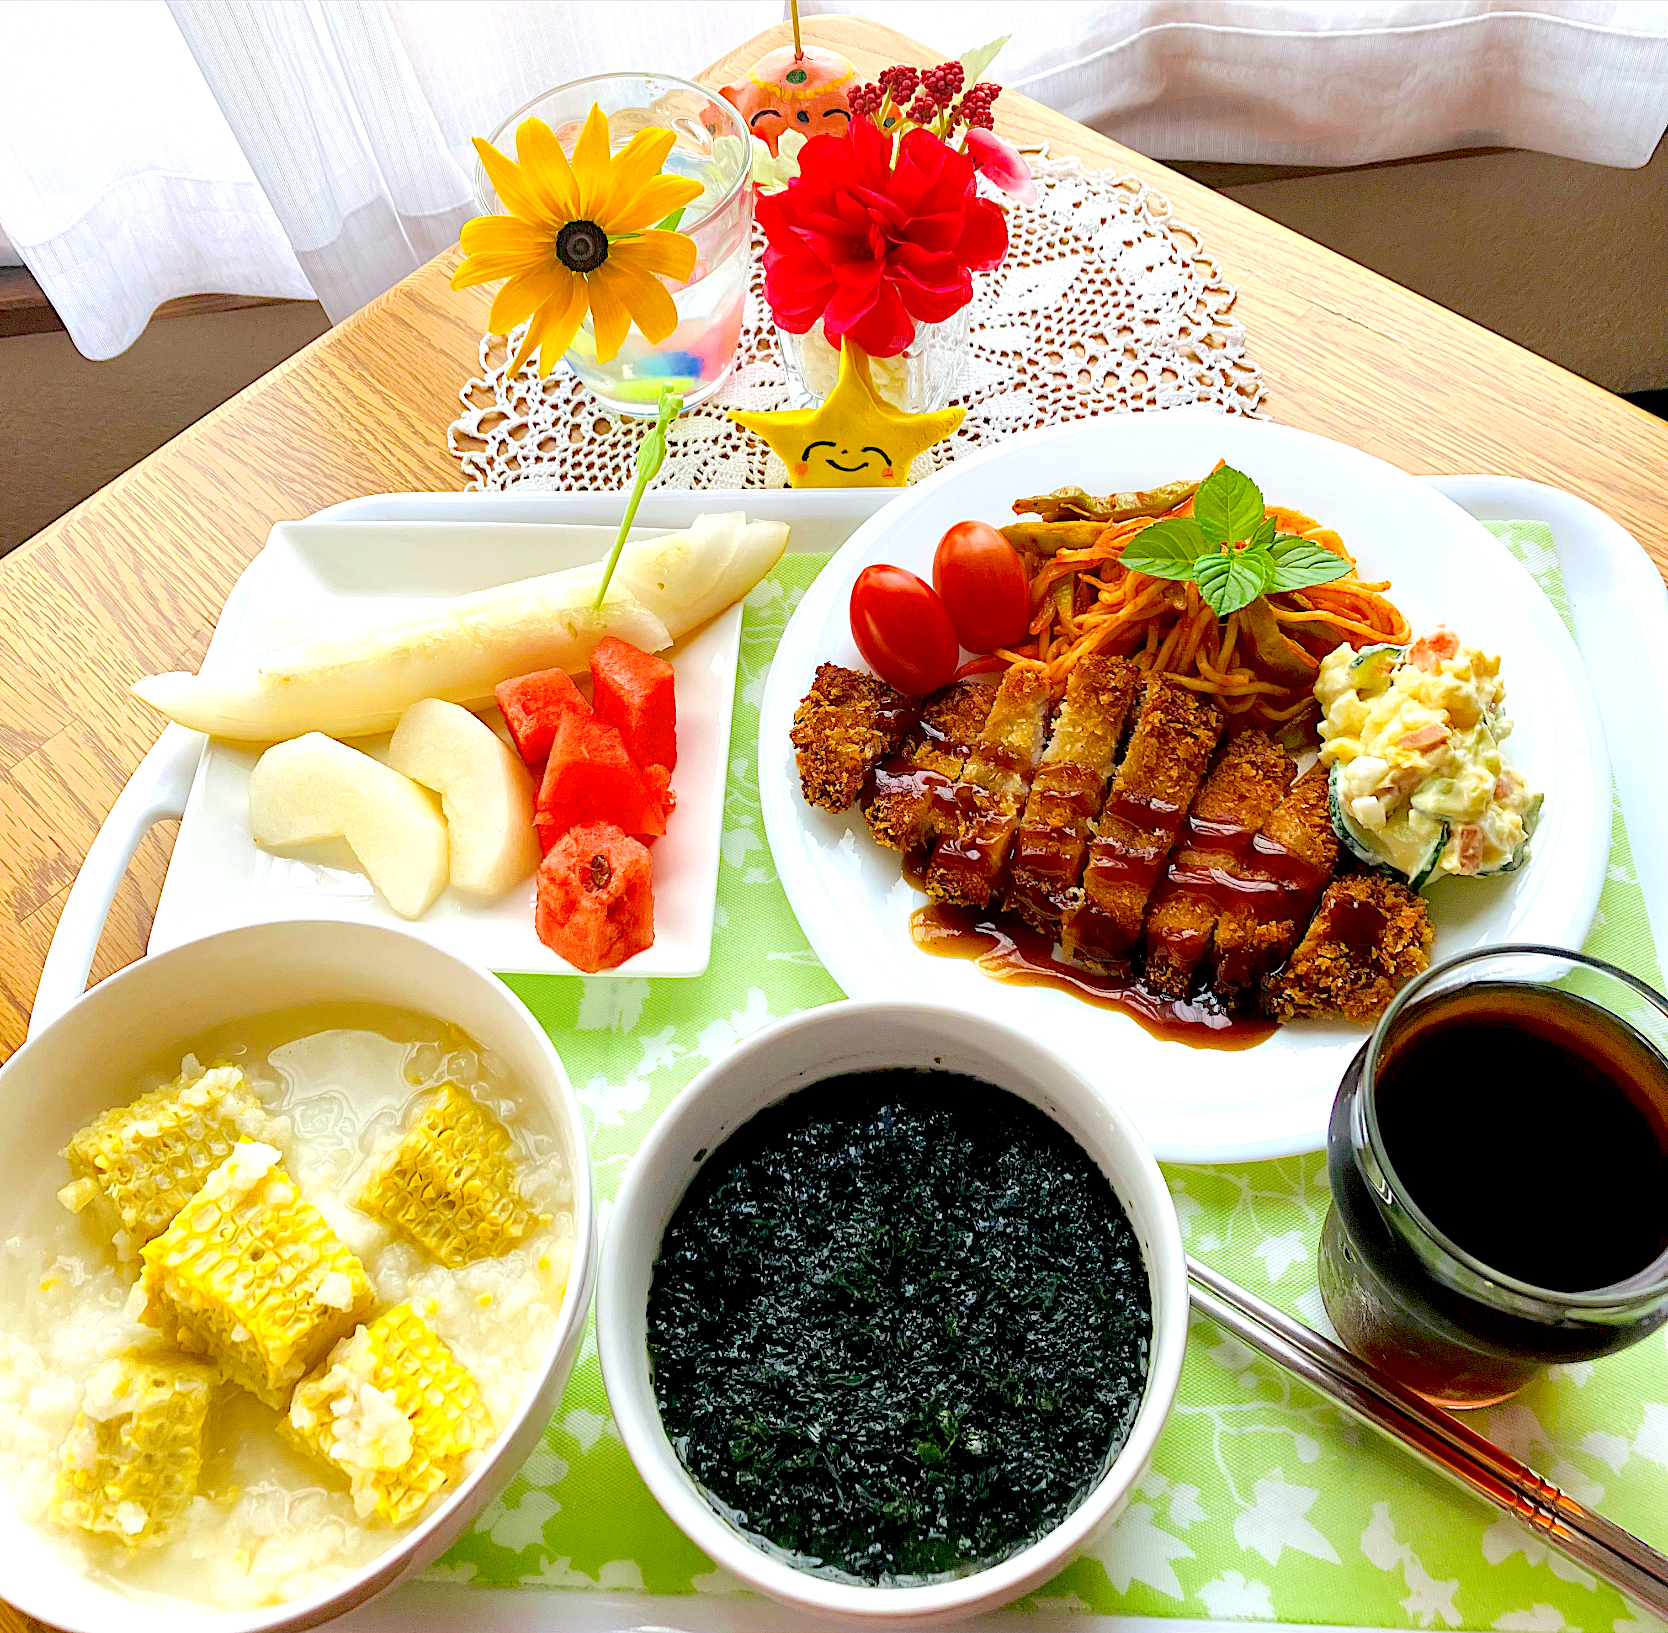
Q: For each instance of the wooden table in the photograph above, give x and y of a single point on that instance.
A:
(131, 581)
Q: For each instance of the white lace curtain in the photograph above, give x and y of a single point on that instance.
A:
(321, 147)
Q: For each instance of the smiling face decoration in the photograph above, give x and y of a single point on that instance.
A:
(864, 459)
(856, 439)
(806, 93)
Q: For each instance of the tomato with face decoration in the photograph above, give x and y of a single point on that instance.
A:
(807, 93)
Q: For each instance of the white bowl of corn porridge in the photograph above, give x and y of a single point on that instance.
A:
(297, 1242)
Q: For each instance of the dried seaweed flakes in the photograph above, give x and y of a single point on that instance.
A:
(899, 1325)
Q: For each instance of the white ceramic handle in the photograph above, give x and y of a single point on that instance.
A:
(156, 791)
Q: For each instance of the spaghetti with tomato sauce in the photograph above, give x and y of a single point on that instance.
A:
(1258, 664)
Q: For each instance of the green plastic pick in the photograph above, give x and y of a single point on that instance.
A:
(651, 455)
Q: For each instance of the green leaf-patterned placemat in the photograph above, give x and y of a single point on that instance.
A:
(1263, 1501)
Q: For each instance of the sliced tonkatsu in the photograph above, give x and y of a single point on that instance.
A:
(1174, 737)
(901, 797)
(1207, 870)
(844, 726)
(1069, 789)
(1369, 936)
(983, 809)
(1290, 864)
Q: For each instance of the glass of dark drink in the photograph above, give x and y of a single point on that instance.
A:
(1498, 1155)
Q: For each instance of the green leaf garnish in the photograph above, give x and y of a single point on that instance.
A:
(1228, 506)
(1167, 549)
(651, 455)
(1229, 548)
(1231, 579)
(1299, 563)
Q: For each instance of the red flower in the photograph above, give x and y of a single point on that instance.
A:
(872, 250)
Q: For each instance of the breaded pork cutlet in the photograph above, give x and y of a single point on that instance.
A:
(983, 809)
(1174, 737)
(1291, 861)
(842, 728)
(899, 798)
(1069, 789)
(1248, 780)
(1369, 936)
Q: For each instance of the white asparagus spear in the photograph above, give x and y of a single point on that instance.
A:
(353, 685)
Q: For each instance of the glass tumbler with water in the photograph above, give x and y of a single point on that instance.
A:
(712, 146)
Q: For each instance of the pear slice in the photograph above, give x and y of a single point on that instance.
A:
(314, 788)
(485, 793)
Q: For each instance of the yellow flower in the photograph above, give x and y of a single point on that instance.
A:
(579, 237)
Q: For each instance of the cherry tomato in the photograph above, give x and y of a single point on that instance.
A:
(984, 586)
(902, 630)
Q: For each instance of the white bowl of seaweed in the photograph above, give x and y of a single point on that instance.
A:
(891, 1312)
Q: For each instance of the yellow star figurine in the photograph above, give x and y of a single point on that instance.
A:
(856, 439)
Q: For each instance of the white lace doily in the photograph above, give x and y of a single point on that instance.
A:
(1104, 304)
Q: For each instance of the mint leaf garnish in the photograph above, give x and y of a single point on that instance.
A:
(1229, 548)
(1298, 563)
(1228, 506)
(1167, 549)
(1232, 579)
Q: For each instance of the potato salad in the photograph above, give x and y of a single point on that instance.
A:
(1419, 786)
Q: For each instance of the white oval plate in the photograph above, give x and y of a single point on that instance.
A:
(1195, 1104)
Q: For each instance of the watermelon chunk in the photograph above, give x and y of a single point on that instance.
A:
(591, 778)
(658, 781)
(595, 904)
(635, 692)
(535, 705)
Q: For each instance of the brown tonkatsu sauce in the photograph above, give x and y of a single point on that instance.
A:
(1008, 949)
(1358, 925)
(1049, 860)
(1276, 886)
(1156, 822)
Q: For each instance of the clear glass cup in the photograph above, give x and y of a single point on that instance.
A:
(711, 146)
(919, 380)
(1399, 1287)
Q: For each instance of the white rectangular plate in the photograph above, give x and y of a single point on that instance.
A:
(386, 555)
(336, 575)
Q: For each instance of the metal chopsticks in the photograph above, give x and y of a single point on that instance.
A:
(1438, 1438)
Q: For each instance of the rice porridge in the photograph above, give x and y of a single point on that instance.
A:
(262, 1323)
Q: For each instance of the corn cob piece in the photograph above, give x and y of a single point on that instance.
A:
(131, 1463)
(136, 1166)
(250, 1274)
(450, 1184)
(394, 1411)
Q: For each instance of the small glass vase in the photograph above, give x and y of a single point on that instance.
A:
(712, 146)
(920, 379)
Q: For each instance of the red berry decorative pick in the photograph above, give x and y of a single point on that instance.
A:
(944, 81)
(974, 109)
(900, 81)
(865, 101)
